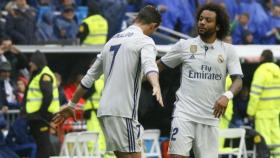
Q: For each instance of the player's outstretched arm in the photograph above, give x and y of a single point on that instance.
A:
(221, 104)
(69, 110)
(154, 81)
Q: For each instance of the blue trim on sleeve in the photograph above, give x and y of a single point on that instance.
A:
(165, 64)
(237, 75)
(83, 86)
(151, 72)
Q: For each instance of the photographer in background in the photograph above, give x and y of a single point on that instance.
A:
(18, 61)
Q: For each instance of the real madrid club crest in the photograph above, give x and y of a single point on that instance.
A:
(193, 50)
(220, 58)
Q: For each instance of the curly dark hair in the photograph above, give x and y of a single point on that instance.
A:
(222, 18)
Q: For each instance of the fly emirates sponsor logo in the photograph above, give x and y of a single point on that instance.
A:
(205, 73)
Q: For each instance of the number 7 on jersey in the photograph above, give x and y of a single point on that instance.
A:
(115, 50)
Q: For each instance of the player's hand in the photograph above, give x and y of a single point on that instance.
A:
(157, 94)
(220, 106)
(64, 113)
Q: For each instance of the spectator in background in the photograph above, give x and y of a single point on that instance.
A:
(65, 3)
(2, 26)
(68, 3)
(82, 2)
(264, 100)
(276, 2)
(239, 28)
(19, 139)
(66, 25)
(277, 35)
(7, 88)
(9, 7)
(33, 3)
(8, 52)
(267, 5)
(72, 85)
(2, 4)
(175, 14)
(258, 19)
(247, 37)
(20, 89)
(5, 151)
(134, 5)
(94, 28)
(114, 12)
(41, 102)
(3, 109)
(232, 7)
(45, 2)
(45, 29)
(62, 97)
(21, 23)
(274, 25)
(240, 117)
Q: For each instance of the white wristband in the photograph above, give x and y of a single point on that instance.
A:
(228, 94)
(70, 103)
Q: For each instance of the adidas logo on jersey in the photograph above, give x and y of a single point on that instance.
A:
(192, 57)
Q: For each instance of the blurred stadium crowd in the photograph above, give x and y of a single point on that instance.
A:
(39, 21)
(31, 22)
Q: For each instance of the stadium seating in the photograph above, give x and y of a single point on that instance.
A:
(80, 145)
(233, 133)
(41, 11)
(70, 145)
(85, 149)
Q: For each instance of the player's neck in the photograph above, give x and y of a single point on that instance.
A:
(142, 27)
(209, 40)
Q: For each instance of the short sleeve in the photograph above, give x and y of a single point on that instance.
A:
(93, 73)
(148, 58)
(233, 62)
(174, 57)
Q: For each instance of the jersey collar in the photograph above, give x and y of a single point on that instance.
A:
(208, 45)
(136, 28)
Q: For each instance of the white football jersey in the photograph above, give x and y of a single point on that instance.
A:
(123, 61)
(204, 71)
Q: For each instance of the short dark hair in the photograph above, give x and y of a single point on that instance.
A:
(93, 8)
(222, 18)
(267, 55)
(39, 59)
(149, 14)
